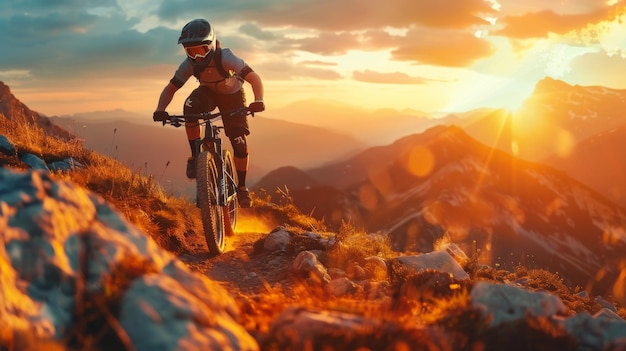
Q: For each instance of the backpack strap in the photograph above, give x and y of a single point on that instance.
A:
(218, 63)
(217, 58)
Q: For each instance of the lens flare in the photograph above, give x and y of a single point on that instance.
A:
(381, 180)
(564, 143)
(421, 161)
(368, 196)
(619, 288)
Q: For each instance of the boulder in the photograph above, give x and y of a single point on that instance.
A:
(63, 250)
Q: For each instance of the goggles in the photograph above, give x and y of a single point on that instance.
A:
(199, 51)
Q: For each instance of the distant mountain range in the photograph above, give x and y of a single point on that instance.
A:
(162, 151)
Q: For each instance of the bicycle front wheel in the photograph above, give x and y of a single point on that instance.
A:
(231, 210)
(211, 212)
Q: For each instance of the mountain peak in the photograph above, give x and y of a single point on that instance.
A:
(13, 109)
(548, 85)
(4, 89)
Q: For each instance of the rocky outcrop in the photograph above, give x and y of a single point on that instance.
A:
(10, 155)
(69, 260)
(502, 305)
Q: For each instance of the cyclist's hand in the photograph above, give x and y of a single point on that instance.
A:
(257, 106)
(160, 116)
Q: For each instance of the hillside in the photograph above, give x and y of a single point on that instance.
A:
(97, 257)
(598, 161)
(442, 184)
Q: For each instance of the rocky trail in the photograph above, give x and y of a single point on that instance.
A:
(240, 267)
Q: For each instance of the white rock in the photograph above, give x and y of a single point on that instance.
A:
(506, 303)
(277, 241)
(438, 260)
(306, 264)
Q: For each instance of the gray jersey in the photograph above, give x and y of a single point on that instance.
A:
(212, 78)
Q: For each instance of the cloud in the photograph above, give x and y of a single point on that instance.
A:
(62, 41)
(284, 69)
(347, 15)
(257, 32)
(369, 76)
(47, 42)
(318, 63)
(597, 69)
(328, 43)
(441, 47)
(174, 11)
(541, 24)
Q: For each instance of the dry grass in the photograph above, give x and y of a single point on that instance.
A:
(137, 197)
(285, 214)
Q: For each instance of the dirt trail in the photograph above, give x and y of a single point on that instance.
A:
(241, 267)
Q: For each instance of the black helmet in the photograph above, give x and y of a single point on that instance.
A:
(197, 32)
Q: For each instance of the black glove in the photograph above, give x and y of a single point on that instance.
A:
(160, 116)
(257, 106)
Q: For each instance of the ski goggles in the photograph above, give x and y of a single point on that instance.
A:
(199, 51)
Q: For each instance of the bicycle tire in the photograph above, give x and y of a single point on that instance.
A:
(211, 213)
(231, 210)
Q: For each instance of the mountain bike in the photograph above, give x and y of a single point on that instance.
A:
(216, 178)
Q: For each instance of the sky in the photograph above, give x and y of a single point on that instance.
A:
(69, 56)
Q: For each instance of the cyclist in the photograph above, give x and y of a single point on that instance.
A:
(221, 82)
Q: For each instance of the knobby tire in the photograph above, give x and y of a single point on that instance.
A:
(211, 213)
(231, 210)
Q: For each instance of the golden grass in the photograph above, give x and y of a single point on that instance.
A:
(166, 218)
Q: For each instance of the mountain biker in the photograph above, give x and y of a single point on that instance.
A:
(221, 82)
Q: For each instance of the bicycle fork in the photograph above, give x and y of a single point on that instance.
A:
(221, 170)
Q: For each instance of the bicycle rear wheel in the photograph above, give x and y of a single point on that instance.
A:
(231, 210)
(212, 217)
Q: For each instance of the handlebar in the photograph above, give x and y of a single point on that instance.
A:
(178, 120)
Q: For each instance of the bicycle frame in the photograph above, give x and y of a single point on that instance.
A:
(216, 188)
(212, 137)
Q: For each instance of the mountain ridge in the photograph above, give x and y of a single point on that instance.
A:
(477, 197)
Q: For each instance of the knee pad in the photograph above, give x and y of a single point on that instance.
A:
(200, 100)
(240, 145)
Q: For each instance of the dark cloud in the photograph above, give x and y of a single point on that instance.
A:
(215, 10)
(37, 7)
(330, 15)
(29, 28)
(55, 47)
(66, 40)
(257, 32)
(340, 25)
(358, 25)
